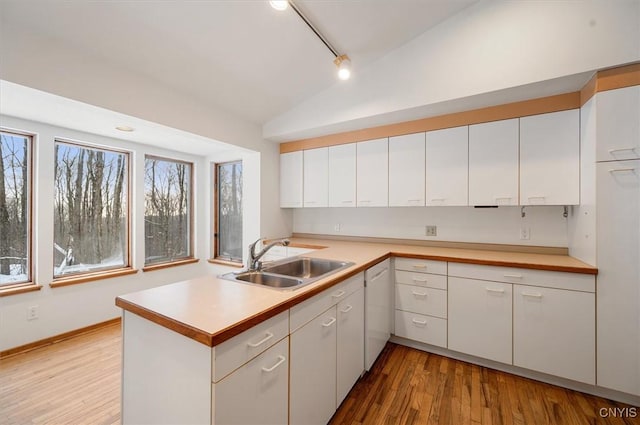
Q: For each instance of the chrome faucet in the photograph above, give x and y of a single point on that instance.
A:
(254, 259)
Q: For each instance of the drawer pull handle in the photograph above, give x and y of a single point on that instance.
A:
(268, 336)
(380, 273)
(620, 170)
(347, 202)
(532, 294)
(329, 323)
(633, 149)
(347, 309)
(415, 279)
(281, 359)
(513, 276)
(495, 291)
(438, 199)
(419, 266)
(414, 200)
(419, 294)
(419, 322)
(338, 294)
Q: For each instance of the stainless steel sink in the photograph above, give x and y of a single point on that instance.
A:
(268, 279)
(306, 268)
(290, 273)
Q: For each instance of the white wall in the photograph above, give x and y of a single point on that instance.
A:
(72, 307)
(456, 224)
(488, 47)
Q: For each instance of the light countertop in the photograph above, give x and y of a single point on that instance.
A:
(211, 310)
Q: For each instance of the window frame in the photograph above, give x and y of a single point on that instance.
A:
(191, 204)
(217, 258)
(84, 277)
(30, 284)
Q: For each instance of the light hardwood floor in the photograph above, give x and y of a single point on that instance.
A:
(77, 382)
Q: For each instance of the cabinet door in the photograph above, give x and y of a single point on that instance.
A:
(378, 310)
(312, 378)
(256, 393)
(493, 163)
(291, 180)
(447, 166)
(350, 358)
(372, 173)
(316, 178)
(479, 318)
(550, 159)
(618, 124)
(342, 175)
(406, 170)
(618, 247)
(554, 332)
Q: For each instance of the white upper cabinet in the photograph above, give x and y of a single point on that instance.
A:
(406, 170)
(372, 173)
(316, 178)
(493, 163)
(447, 166)
(291, 180)
(342, 175)
(550, 159)
(618, 124)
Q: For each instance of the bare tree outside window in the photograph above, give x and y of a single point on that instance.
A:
(15, 209)
(91, 231)
(167, 206)
(228, 236)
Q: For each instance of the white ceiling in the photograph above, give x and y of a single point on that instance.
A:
(241, 56)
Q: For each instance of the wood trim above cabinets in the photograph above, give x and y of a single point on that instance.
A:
(611, 79)
(608, 79)
(524, 108)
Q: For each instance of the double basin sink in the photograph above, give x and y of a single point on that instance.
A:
(291, 273)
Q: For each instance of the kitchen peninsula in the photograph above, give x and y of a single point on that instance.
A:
(189, 344)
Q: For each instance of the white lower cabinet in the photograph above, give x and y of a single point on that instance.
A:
(257, 392)
(327, 351)
(313, 370)
(421, 328)
(350, 347)
(480, 318)
(553, 332)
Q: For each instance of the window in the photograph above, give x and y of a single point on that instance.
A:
(228, 211)
(167, 210)
(91, 209)
(15, 209)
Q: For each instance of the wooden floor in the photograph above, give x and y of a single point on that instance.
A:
(77, 382)
(407, 386)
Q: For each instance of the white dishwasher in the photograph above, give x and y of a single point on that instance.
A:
(377, 313)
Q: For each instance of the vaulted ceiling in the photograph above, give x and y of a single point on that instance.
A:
(242, 56)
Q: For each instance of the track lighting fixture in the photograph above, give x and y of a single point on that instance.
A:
(342, 61)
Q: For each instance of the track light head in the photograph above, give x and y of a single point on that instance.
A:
(344, 66)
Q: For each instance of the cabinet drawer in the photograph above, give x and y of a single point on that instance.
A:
(238, 350)
(427, 329)
(423, 266)
(418, 299)
(307, 310)
(428, 280)
(549, 279)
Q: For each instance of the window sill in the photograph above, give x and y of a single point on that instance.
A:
(225, 262)
(90, 277)
(19, 288)
(176, 263)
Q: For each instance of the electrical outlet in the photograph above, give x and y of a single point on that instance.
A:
(431, 231)
(525, 233)
(337, 227)
(32, 312)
